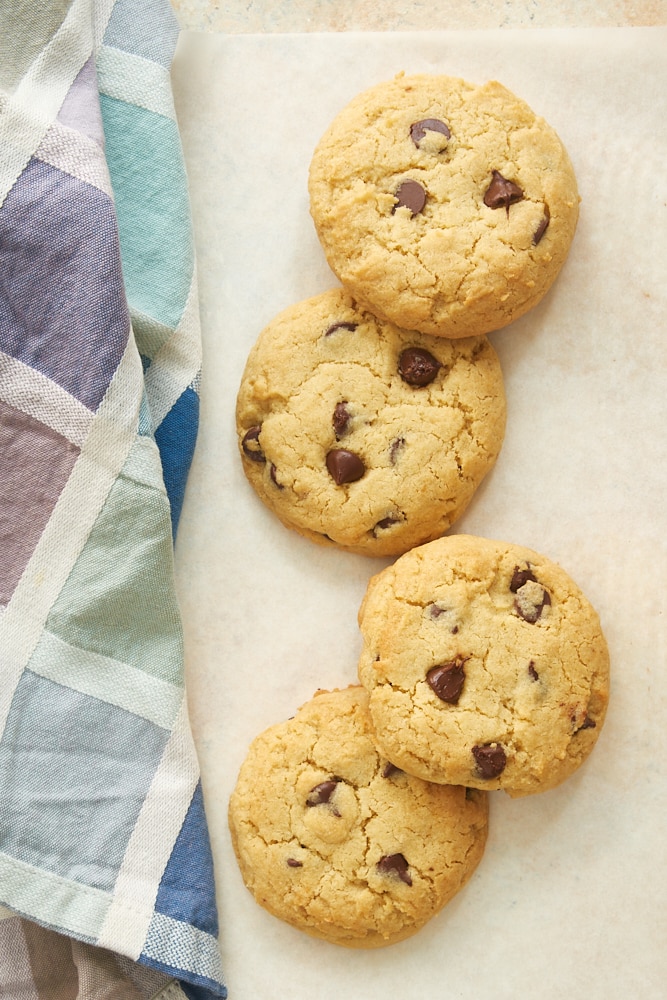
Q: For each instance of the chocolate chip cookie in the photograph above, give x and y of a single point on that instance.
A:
(358, 433)
(339, 843)
(443, 206)
(486, 666)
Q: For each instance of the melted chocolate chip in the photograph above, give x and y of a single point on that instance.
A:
(542, 228)
(588, 723)
(387, 522)
(272, 473)
(490, 760)
(344, 466)
(447, 679)
(293, 863)
(395, 864)
(389, 770)
(341, 419)
(394, 449)
(418, 129)
(519, 577)
(250, 445)
(412, 195)
(417, 367)
(435, 610)
(532, 671)
(342, 325)
(321, 795)
(501, 193)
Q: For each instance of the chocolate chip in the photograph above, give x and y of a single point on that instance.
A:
(502, 193)
(342, 325)
(250, 445)
(341, 419)
(435, 610)
(531, 600)
(394, 449)
(395, 864)
(293, 863)
(446, 680)
(542, 228)
(389, 770)
(344, 466)
(418, 129)
(532, 671)
(588, 723)
(519, 577)
(321, 794)
(272, 473)
(387, 522)
(412, 195)
(417, 367)
(490, 759)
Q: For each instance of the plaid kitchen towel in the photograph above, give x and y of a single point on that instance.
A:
(105, 864)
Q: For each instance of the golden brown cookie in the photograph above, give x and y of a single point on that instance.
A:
(332, 839)
(443, 206)
(356, 432)
(486, 666)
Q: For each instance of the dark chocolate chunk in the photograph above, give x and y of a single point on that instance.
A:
(542, 228)
(394, 449)
(490, 759)
(340, 419)
(446, 680)
(321, 794)
(293, 863)
(532, 671)
(521, 576)
(342, 325)
(418, 129)
(344, 466)
(501, 193)
(417, 367)
(395, 864)
(250, 445)
(390, 769)
(412, 195)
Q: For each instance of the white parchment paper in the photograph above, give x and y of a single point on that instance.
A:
(569, 900)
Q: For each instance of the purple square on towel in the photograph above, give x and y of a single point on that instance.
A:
(63, 309)
(35, 463)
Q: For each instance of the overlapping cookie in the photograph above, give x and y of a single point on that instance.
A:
(332, 839)
(443, 206)
(361, 434)
(485, 664)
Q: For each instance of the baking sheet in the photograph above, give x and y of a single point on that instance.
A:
(569, 898)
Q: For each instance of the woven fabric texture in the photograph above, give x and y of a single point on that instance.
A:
(105, 862)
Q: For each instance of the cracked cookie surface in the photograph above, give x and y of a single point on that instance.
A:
(336, 842)
(443, 206)
(486, 666)
(358, 433)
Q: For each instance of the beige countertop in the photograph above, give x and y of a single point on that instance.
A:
(272, 16)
